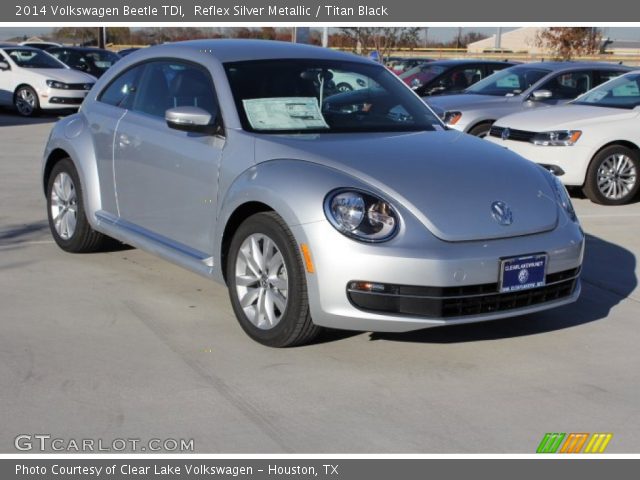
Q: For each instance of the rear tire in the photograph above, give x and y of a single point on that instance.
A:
(481, 130)
(267, 285)
(66, 212)
(612, 177)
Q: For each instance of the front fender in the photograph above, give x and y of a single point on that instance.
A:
(294, 189)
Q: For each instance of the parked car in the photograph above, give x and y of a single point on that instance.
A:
(592, 142)
(401, 65)
(344, 210)
(40, 45)
(450, 76)
(91, 60)
(31, 80)
(521, 88)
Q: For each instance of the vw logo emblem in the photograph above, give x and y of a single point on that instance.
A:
(501, 213)
(523, 276)
(505, 134)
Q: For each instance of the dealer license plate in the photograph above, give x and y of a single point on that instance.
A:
(522, 273)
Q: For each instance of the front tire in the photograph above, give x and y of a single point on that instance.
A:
(612, 177)
(67, 218)
(26, 101)
(267, 284)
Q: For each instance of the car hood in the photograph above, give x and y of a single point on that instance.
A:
(465, 101)
(565, 116)
(65, 75)
(446, 179)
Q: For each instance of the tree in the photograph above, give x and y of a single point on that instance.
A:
(564, 43)
(380, 39)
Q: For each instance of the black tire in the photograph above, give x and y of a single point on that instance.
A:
(18, 101)
(591, 189)
(83, 239)
(344, 87)
(481, 130)
(295, 326)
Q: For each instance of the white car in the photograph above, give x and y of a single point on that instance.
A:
(592, 142)
(31, 79)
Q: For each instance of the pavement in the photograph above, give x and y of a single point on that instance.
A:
(123, 345)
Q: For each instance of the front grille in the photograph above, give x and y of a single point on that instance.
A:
(79, 86)
(445, 302)
(515, 135)
(66, 100)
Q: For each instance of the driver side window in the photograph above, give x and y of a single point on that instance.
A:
(568, 86)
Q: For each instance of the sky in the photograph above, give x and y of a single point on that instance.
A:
(434, 33)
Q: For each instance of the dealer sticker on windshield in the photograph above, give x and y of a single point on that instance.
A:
(522, 273)
(284, 113)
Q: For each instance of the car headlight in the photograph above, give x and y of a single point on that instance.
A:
(56, 84)
(361, 215)
(557, 138)
(451, 118)
(563, 198)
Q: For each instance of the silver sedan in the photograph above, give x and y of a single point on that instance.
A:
(244, 161)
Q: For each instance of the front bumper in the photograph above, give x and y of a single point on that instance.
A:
(450, 266)
(54, 98)
(572, 160)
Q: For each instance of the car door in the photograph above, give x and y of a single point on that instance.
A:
(166, 179)
(103, 117)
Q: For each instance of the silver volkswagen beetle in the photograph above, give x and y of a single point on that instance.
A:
(245, 162)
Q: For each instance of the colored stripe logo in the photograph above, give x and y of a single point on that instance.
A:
(574, 443)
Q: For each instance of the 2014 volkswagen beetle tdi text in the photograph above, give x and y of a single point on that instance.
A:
(242, 161)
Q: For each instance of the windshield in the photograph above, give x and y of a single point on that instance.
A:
(508, 82)
(27, 58)
(423, 73)
(102, 59)
(299, 96)
(621, 92)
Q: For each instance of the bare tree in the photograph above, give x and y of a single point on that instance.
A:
(380, 39)
(564, 43)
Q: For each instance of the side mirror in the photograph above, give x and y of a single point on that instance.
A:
(191, 119)
(4, 66)
(541, 95)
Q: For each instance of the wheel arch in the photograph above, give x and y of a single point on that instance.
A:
(239, 215)
(54, 157)
(480, 122)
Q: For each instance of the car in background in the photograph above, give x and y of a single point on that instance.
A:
(31, 79)
(91, 60)
(450, 76)
(40, 45)
(592, 142)
(355, 210)
(520, 88)
(401, 65)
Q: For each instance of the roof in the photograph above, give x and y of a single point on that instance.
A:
(237, 50)
(15, 45)
(79, 49)
(464, 61)
(557, 66)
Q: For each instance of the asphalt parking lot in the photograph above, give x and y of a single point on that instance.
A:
(125, 345)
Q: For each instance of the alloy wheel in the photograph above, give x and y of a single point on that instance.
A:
(25, 101)
(64, 206)
(616, 176)
(261, 281)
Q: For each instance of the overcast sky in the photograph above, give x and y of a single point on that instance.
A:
(435, 33)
